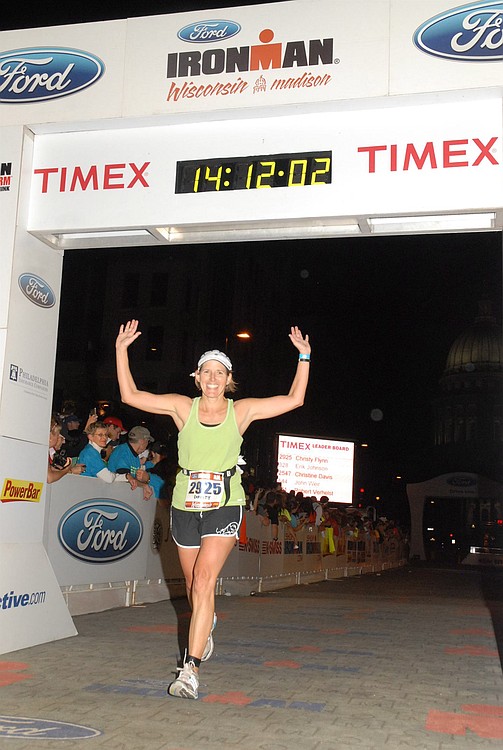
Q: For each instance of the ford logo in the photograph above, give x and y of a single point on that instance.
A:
(462, 481)
(100, 530)
(39, 73)
(18, 727)
(471, 32)
(203, 32)
(36, 290)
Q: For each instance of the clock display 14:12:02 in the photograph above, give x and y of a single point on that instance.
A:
(254, 172)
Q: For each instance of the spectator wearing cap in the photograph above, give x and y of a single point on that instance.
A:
(59, 463)
(115, 430)
(94, 463)
(75, 437)
(126, 457)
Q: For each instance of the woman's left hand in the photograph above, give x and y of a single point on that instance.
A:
(299, 341)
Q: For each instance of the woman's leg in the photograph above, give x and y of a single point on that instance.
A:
(210, 560)
(188, 557)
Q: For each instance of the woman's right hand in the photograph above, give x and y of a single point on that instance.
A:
(127, 334)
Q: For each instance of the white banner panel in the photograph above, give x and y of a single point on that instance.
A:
(437, 45)
(23, 473)
(254, 56)
(62, 73)
(415, 159)
(97, 532)
(26, 396)
(316, 466)
(32, 608)
(10, 168)
(296, 52)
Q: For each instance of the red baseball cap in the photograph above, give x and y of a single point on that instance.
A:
(117, 422)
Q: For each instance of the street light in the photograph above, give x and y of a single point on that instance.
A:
(240, 335)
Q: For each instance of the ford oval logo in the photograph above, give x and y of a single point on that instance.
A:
(203, 32)
(471, 32)
(36, 290)
(36, 74)
(462, 481)
(100, 530)
(22, 727)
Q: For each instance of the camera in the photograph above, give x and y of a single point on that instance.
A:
(59, 459)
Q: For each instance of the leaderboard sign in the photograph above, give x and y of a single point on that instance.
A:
(316, 466)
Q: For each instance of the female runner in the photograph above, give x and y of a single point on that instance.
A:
(208, 497)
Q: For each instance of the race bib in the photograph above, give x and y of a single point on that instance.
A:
(204, 491)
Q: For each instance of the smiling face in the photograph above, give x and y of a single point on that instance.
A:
(99, 435)
(56, 439)
(212, 378)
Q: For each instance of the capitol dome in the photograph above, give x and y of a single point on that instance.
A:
(479, 348)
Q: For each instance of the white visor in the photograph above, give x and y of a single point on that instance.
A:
(215, 354)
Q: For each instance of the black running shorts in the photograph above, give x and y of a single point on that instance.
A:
(189, 527)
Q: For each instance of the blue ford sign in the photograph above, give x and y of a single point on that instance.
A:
(36, 74)
(21, 727)
(36, 290)
(100, 530)
(472, 32)
(203, 32)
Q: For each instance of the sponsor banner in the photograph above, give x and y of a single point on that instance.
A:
(100, 530)
(22, 727)
(36, 290)
(11, 140)
(43, 70)
(22, 498)
(28, 370)
(32, 608)
(316, 466)
(256, 56)
(97, 532)
(20, 490)
(437, 45)
(420, 158)
(297, 52)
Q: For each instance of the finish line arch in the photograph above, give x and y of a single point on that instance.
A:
(188, 128)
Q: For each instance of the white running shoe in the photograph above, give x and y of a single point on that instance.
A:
(186, 684)
(208, 650)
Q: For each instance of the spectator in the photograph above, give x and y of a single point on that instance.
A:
(271, 506)
(75, 438)
(126, 459)
(94, 463)
(285, 517)
(115, 431)
(318, 512)
(160, 472)
(59, 464)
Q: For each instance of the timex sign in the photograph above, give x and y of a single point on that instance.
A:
(121, 176)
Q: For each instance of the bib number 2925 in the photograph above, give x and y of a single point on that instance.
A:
(204, 490)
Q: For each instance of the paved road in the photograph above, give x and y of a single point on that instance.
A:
(405, 659)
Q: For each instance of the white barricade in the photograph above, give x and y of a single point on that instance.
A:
(110, 548)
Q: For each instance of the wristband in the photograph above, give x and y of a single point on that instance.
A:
(304, 357)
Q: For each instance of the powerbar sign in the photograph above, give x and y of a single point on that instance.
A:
(316, 466)
(19, 490)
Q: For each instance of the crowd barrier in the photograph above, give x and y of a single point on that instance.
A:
(109, 548)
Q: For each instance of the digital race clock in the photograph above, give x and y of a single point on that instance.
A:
(253, 172)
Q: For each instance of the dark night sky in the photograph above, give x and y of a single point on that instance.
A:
(54, 13)
(382, 312)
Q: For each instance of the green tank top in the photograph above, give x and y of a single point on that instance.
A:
(208, 449)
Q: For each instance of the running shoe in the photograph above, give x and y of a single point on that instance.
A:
(187, 682)
(208, 649)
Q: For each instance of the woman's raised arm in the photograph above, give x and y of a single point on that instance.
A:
(174, 404)
(251, 409)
